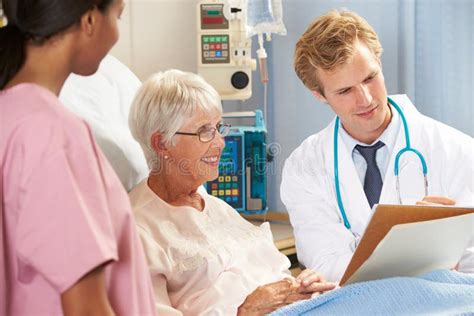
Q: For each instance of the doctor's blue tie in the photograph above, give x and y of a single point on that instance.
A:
(373, 179)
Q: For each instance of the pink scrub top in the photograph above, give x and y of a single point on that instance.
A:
(63, 211)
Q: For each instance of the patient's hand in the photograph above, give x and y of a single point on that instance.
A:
(267, 298)
(436, 200)
(270, 297)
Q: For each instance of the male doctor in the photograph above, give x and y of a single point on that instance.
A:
(338, 59)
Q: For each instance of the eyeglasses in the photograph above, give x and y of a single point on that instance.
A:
(206, 134)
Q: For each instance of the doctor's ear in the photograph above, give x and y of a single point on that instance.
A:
(158, 144)
(319, 96)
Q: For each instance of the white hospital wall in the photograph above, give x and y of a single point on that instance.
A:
(157, 35)
(122, 49)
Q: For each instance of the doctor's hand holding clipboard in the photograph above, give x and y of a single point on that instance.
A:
(436, 200)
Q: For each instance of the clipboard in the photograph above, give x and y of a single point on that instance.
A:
(387, 216)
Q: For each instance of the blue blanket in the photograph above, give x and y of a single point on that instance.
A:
(438, 292)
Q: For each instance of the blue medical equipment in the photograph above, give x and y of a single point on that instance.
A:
(396, 169)
(242, 168)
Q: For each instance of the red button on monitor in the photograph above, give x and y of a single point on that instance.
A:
(212, 20)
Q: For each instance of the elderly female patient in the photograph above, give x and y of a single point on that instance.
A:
(204, 258)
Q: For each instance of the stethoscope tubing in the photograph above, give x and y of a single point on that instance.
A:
(407, 148)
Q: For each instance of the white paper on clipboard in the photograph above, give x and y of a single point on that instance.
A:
(414, 248)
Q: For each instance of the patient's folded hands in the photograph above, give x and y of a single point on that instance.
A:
(270, 297)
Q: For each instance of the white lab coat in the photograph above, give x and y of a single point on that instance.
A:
(322, 241)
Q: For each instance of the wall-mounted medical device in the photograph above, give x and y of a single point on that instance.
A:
(243, 166)
(224, 51)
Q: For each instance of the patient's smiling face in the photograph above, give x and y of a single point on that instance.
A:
(193, 159)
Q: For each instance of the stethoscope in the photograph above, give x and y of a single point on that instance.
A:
(397, 159)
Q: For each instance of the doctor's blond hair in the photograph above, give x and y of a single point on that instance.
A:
(328, 43)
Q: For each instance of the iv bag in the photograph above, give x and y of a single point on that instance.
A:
(264, 16)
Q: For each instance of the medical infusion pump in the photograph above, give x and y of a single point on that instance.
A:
(243, 167)
(224, 51)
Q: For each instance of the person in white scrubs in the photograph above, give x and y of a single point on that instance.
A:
(338, 59)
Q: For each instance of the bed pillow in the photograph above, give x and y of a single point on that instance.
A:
(104, 100)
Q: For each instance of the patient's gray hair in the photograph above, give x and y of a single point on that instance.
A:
(164, 103)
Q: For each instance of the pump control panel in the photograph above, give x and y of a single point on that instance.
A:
(242, 168)
(224, 51)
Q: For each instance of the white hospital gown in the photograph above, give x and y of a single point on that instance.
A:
(203, 263)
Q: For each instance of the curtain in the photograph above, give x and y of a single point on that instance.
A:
(443, 55)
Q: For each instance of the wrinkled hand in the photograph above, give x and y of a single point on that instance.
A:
(270, 297)
(267, 298)
(436, 200)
